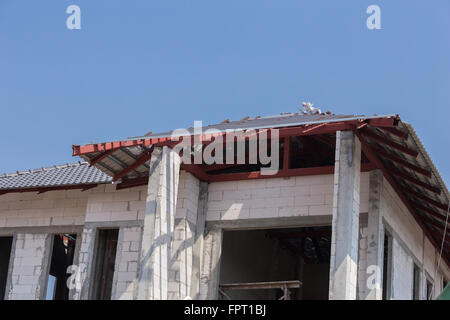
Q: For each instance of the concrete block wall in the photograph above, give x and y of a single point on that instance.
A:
(402, 273)
(276, 197)
(107, 204)
(270, 198)
(429, 257)
(30, 264)
(265, 198)
(108, 207)
(52, 208)
(127, 256)
(410, 242)
(400, 219)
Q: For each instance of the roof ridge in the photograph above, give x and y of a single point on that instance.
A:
(42, 169)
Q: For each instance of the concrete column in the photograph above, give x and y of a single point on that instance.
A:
(375, 238)
(83, 274)
(198, 241)
(180, 276)
(30, 266)
(210, 264)
(155, 255)
(345, 225)
(362, 257)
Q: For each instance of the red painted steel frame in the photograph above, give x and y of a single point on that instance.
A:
(322, 128)
(83, 187)
(374, 159)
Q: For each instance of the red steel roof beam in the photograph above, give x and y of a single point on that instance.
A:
(399, 160)
(100, 157)
(130, 183)
(429, 211)
(196, 171)
(425, 198)
(373, 158)
(396, 132)
(390, 143)
(417, 182)
(381, 122)
(286, 153)
(47, 189)
(143, 158)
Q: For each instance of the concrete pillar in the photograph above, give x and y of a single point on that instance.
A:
(198, 241)
(210, 264)
(362, 257)
(375, 238)
(345, 225)
(155, 255)
(180, 276)
(30, 266)
(83, 274)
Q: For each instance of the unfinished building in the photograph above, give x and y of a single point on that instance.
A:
(355, 209)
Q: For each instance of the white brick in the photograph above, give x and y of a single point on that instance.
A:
(293, 211)
(264, 213)
(235, 214)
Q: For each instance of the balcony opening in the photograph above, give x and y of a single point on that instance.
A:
(276, 264)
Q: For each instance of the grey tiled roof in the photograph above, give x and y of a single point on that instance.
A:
(63, 175)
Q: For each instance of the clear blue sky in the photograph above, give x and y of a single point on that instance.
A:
(139, 66)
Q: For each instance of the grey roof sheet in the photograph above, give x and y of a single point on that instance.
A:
(61, 175)
(274, 121)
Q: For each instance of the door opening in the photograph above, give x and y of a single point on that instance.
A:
(62, 257)
(5, 254)
(104, 264)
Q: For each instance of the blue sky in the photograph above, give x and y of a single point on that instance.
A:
(139, 66)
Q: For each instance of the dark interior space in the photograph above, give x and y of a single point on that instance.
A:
(5, 254)
(387, 258)
(304, 152)
(105, 256)
(416, 282)
(62, 257)
(263, 258)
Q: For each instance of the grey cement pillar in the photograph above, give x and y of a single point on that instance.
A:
(155, 255)
(375, 238)
(210, 264)
(83, 272)
(345, 225)
(198, 242)
(180, 277)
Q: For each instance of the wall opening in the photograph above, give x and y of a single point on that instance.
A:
(5, 255)
(429, 290)
(256, 264)
(62, 257)
(104, 263)
(387, 263)
(416, 283)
